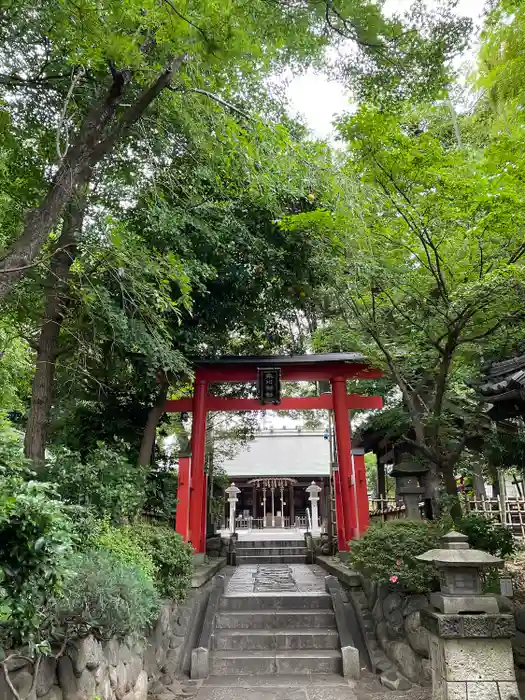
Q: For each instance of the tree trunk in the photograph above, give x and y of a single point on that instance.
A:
(451, 488)
(90, 147)
(431, 481)
(52, 319)
(150, 431)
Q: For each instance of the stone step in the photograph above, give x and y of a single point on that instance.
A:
(271, 551)
(275, 559)
(276, 601)
(247, 663)
(272, 619)
(259, 640)
(254, 544)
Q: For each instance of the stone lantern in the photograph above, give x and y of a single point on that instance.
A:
(470, 647)
(408, 475)
(460, 570)
(313, 492)
(233, 493)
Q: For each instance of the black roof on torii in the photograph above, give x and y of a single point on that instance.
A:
(280, 360)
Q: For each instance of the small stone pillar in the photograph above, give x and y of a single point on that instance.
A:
(408, 475)
(470, 640)
(313, 491)
(233, 494)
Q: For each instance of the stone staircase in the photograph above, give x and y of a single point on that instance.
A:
(271, 552)
(275, 633)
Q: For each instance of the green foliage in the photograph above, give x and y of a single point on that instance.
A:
(484, 533)
(35, 537)
(122, 544)
(13, 464)
(386, 554)
(104, 595)
(105, 482)
(172, 556)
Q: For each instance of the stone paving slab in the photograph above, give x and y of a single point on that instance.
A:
(309, 687)
(251, 578)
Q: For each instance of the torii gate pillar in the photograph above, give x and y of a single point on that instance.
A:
(198, 477)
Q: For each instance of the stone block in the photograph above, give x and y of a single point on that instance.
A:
(381, 634)
(66, 678)
(518, 646)
(499, 625)
(406, 659)
(46, 675)
(103, 689)
(416, 634)
(86, 686)
(476, 660)
(133, 669)
(140, 689)
(414, 603)
(393, 616)
(111, 651)
(508, 690)
(351, 662)
(451, 691)
(54, 693)
(482, 691)
(86, 653)
(22, 680)
(200, 663)
(456, 604)
(394, 681)
(122, 685)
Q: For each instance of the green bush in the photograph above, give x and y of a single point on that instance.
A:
(172, 556)
(35, 538)
(484, 533)
(123, 545)
(105, 596)
(105, 482)
(387, 553)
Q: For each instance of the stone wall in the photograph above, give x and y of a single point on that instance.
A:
(398, 629)
(118, 669)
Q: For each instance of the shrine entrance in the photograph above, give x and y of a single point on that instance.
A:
(349, 478)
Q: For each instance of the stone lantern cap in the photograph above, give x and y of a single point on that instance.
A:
(232, 491)
(456, 553)
(408, 467)
(313, 489)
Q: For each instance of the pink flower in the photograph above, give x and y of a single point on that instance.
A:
(394, 579)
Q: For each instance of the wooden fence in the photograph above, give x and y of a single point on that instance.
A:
(385, 509)
(504, 511)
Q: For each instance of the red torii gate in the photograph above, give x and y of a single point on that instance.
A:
(337, 368)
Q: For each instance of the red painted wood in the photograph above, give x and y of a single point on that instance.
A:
(342, 436)
(363, 515)
(220, 403)
(290, 373)
(198, 442)
(204, 520)
(340, 518)
(179, 406)
(182, 519)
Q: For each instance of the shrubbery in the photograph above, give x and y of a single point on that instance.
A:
(106, 596)
(387, 553)
(70, 562)
(35, 538)
(105, 482)
(484, 533)
(123, 545)
(172, 556)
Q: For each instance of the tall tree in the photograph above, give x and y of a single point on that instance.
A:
(428, 266)
(55, 60)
